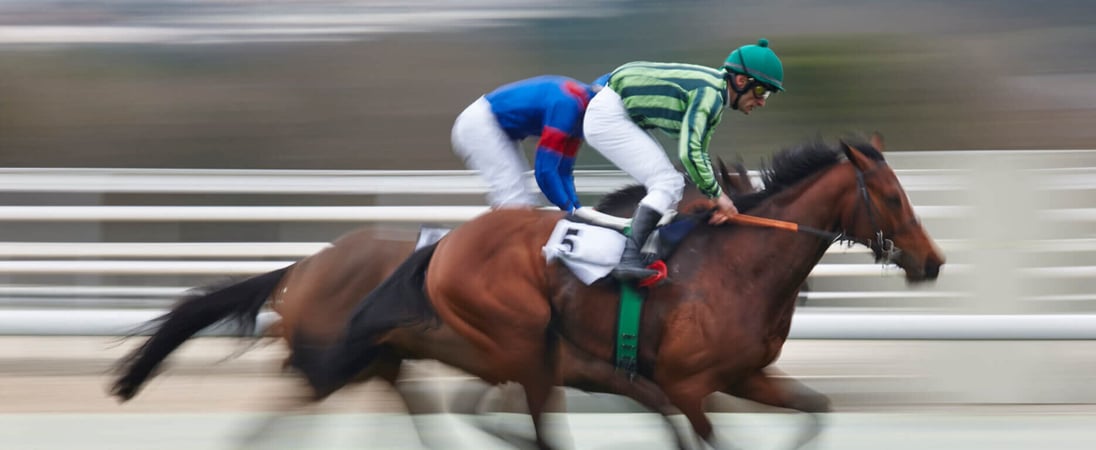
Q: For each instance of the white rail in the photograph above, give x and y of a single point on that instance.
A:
(962, 205)
(416, 214)
(158, 249)
(807, 325)
(334, 182)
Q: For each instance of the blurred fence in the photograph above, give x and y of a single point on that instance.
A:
(97, 251)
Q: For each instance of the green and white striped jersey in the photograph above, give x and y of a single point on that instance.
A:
(683, 100)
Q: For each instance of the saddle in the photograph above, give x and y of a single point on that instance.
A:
(669, 232)
(591, 243)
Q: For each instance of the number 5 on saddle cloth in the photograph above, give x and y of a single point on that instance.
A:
(592, 251)
(590, 243)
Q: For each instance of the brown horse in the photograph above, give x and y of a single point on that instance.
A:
(715, 328)
(316, 294)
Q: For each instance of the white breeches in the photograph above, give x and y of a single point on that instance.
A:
(612, 132)
(484, 146)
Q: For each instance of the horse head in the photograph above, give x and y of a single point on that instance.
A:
(882, 217)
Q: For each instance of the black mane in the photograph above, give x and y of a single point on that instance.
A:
(622, 202)
(787, 168)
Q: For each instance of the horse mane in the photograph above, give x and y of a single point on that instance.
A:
(622, 201)
(786, 168)
(791, 165)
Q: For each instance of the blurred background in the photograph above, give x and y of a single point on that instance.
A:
(377, 84)
(986, 107)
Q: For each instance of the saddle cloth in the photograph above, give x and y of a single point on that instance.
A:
(590, 251)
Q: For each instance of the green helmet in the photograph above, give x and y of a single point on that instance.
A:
(759, 62)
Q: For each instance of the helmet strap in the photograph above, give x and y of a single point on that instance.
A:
(734, 88)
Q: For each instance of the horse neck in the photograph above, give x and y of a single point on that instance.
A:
(783, 259)
(819, 201)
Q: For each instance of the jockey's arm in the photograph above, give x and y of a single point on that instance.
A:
(699, 122)
(553, 168)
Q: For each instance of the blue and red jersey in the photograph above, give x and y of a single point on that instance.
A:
(552, 107)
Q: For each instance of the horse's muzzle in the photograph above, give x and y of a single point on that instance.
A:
(932, 269)
(928, 271)
(918, 271)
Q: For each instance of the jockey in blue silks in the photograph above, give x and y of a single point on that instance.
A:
(487, 136)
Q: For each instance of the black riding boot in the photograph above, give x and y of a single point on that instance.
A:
(633, 266)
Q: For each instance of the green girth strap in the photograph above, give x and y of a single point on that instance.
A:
(627, 341)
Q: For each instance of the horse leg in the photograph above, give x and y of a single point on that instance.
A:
(257, 436)
(492, 366)
(538, 383)
(386, 366)
(582, 370)
(537, 390)
(785, 392)
(689, 399)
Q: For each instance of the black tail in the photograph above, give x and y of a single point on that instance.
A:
(240, 302)
(398, 302)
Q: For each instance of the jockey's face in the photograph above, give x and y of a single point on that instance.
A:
(754, 97)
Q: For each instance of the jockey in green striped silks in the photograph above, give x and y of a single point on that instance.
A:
(685, 101)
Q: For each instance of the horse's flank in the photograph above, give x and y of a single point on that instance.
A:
(508, 264)
(322, 279)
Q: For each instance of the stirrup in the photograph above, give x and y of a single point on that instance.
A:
(648, 276)
(633, 273)
(660, 274)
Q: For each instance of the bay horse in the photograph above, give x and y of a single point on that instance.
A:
(318, 293)
(715, 328)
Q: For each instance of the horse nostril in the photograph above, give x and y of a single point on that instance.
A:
(932, 269)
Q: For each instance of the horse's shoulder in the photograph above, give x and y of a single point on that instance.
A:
(682, 313)
(519, 214)
(517, 220)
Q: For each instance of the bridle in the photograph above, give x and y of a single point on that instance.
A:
(882, 247)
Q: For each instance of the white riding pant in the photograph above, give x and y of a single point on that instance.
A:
(612, 132)
(485, 147)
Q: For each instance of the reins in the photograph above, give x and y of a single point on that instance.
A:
(885, 252)
(746, 219)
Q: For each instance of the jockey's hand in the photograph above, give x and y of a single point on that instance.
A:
(725, 209)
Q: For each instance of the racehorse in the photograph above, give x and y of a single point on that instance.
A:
(318, 293)
(715, 328)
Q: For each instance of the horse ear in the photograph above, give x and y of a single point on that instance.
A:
(740, 167)
(856, 157)
(876, 140)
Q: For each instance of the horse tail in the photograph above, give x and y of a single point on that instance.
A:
(238, 302)
(399, 301)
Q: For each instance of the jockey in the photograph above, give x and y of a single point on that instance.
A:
(487, 135)
(682, 100)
